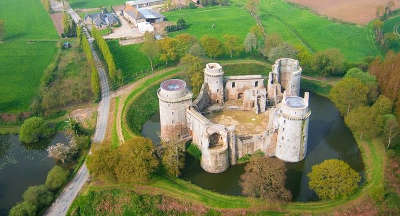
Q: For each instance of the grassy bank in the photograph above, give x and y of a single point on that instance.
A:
(30, 42)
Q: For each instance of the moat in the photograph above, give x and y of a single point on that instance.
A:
(328, 138)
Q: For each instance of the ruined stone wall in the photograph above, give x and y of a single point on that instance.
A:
(203, 100)
(235, 86)
(288, 73)
(214, 77)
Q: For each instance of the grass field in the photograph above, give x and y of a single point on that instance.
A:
(28, 47)
(227, 20)
(390, 23)
(94, 3)
(301, 26)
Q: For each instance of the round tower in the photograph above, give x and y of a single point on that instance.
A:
(294, 114)
(173, 98)
(289, 74)
(214, 77)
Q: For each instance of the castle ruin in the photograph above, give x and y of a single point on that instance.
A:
(234, 116)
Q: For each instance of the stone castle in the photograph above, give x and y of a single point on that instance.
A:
(234, 116)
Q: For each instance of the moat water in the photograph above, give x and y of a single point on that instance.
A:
(21, 167)
(328, 138)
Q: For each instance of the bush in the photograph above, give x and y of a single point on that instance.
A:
(34, 129)
(23, 209)
(38, 195)
(180, 25)
(82, 142)
(328, 62)
(56, 178)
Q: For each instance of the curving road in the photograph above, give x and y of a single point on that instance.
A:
(61, 205)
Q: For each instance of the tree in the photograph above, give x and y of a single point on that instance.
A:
(168, 49)
(367, 79)
(69, 26)
(271, 41)
(284, 50)
(328, 62)
(348, 94)
(181, 24)
(391, 40)
(34, 129)
(197, 50)
(378, 30)
(184, 43)
(150, 48)
(332, 179)
(137, 161)
(382, 105)
(212, 46)
(265, 178)
(193, 71)
(305, 58)
(56, 178)
(173, 158)
(62, 152)
(38, 195)
(23, 209)
(252, 6)
(391, 129)
(232, 44)
(250, 43)
(103, 162)
(363, 122)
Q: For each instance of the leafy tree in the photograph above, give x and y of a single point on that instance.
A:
(332, 179)
(150, 48)
(391, 129)
(137, 160)
(103, 162)
(193, 71)
(250, 43)
(212, 46)
(363, 122)
(367, 79)
(173, 158)
(282, 51)
(382, 105)
(69, 26)
(328, 62)
(181, 23)
(56, 178)
(348, 94)
(265, 178)
(197, 50)
(34, 129)
(23, 209)
(184, 43)
(168, 49)
(94, 76)
(38, 195)
(271, 41)
(232, 44)
(305, 58)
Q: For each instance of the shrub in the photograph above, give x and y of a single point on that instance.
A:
(23, 209)
(56, 178)
(38, 195)
(103, 162)
(332, 179)
(328, 62)
(282, 51)
(34, 129)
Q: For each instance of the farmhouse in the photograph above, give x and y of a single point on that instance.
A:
(238, 115)
(136, 16)
(143, 3)
(102, 20)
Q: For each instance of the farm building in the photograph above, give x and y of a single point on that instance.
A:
(102, 20)
(137, 16)
(143, 3)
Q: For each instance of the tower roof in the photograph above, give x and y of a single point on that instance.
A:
(295, 102)
(173, 85)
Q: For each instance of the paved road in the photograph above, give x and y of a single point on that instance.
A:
(61, 205)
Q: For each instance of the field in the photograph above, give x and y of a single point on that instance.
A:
(28, 47)
(301, 26)
(226, 20)
(354, 11)
(94, 3)
(391, 23)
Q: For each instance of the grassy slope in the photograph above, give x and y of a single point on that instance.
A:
(388, 25)
(301, 26)
(22, 62)
(227, 20)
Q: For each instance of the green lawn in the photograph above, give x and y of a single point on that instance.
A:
(94, 3)
(28, 47)
(226, 20)
(301, 26)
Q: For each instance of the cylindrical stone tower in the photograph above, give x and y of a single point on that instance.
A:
(289, 74)
(214, 77)
(294, 114)
(173, 98)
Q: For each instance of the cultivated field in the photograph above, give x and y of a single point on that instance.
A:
(28, 47)
(355, 11)
(214, 21)
(301, 26)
